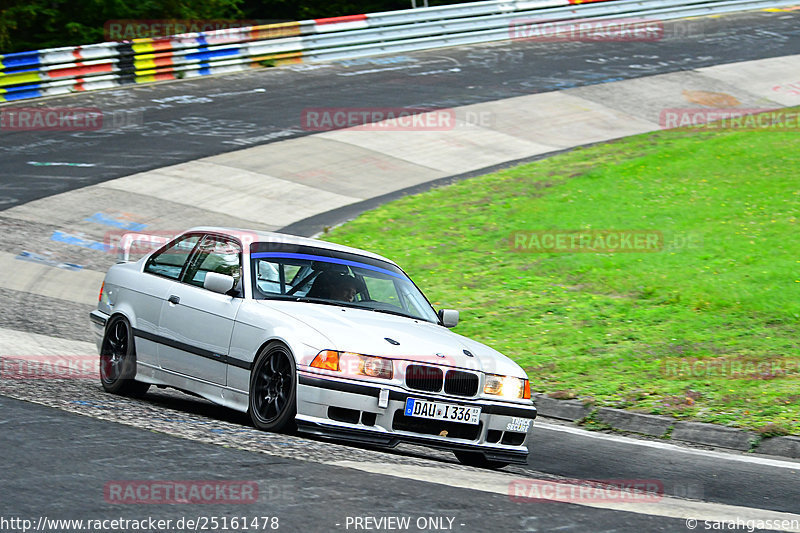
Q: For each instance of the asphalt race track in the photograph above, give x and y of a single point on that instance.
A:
(70, 440)
(186, 120)
(305, 496)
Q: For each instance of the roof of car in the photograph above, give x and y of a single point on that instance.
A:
(271, 236)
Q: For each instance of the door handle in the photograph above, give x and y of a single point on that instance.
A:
(174, 299)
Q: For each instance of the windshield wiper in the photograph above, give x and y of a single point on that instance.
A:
(325, 301)
(338, 303)
(397, 313)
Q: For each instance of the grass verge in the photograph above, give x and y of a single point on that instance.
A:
(704, 329)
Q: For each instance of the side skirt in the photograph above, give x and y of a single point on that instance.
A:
(225, 396)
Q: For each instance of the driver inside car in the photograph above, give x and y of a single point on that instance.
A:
(336, 286)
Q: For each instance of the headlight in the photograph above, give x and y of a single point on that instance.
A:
(353, 364)
(507, 387)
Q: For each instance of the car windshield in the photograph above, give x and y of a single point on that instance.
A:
(337, 278)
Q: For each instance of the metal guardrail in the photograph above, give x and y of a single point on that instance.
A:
(51, 72)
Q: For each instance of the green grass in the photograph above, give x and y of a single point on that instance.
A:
(706, 329)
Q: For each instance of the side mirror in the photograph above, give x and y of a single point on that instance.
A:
(217, 282)
(448, 317)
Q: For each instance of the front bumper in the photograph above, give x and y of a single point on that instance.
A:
(352, 411)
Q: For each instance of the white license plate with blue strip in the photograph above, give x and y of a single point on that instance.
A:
(442, 411)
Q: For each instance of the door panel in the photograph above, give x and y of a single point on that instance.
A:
(151, 290)
(196, 324)
(196, 332)
(147, 301)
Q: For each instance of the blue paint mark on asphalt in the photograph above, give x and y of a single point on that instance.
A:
(221, 431)
(37, 258)
(96, 405)
(181, 420)
(78, 240)
(115, 222)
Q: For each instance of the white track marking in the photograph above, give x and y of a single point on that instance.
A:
(13, 342)
(727, 456)
(82, 286)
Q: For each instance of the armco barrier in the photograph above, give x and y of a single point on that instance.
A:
(59, 71)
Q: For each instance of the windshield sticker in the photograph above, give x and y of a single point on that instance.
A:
(284, 255)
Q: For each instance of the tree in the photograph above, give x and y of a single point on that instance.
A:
(35, 24)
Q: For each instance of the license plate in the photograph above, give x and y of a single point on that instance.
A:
(442, 411)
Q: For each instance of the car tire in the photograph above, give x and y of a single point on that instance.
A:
(273, 389)
(118, 360)
(477, 459)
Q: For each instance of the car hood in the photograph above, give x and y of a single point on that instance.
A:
(366, 332)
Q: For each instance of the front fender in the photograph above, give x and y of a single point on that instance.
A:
(257, 325)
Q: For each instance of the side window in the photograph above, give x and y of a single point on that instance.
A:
(268, 276)
(382, 290)
(215, 254)
(414, 301)
(169, 262)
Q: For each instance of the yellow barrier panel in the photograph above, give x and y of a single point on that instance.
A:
(275, 31)
(155, 77)
(20, 77)
(287, 58)
(140, 47)
(143, 64)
